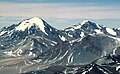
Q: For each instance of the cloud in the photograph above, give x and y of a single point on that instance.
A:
(59, 10)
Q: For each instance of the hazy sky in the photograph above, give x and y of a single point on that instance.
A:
(61, 13)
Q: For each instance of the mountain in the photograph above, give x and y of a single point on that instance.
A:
(88, 49)
(88, 27)
(88, 45)
(33, 33)
(33, 46)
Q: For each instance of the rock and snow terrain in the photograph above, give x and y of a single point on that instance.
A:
(35, 47)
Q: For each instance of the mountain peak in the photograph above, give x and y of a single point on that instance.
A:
(90, 23)
(84, 22)
(35, 21)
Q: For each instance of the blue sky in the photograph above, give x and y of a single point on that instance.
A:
(61, 13)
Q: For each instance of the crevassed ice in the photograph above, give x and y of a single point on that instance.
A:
(33, 21)
(110, 31)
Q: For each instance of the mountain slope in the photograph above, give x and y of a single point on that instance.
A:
(80, 51)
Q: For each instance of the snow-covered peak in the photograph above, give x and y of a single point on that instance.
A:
(31, 22)
(84, 22)
(89, 23)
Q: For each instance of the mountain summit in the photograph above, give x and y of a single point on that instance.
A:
(35, 21)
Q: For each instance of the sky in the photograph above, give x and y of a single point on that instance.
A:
(61, 13)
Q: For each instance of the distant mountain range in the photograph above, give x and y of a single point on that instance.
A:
(85, 48)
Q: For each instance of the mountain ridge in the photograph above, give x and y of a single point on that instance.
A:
(34, 41)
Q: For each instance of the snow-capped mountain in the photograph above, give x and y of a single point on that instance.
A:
(88, 27)
(33, 26)
(33, 33)
(34, 43)
(88, 45)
